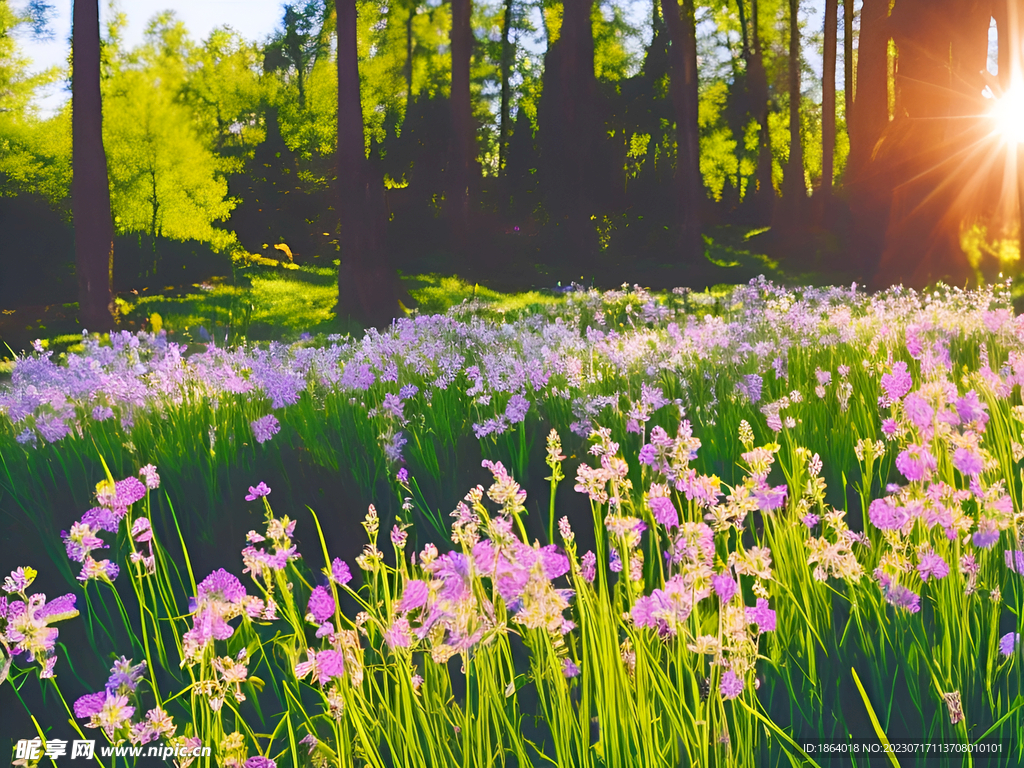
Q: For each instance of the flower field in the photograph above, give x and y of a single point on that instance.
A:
(612, 529)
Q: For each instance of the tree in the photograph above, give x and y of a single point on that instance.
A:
(794, 186)
(366, 284)
(682, 30)
(94, 228)
(299, 45)
(828, 97)
(459, 174)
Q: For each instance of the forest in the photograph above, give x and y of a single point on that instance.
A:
(535, 143)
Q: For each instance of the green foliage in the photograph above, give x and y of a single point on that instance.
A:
(165, 180)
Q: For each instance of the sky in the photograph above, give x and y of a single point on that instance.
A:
(253, 19)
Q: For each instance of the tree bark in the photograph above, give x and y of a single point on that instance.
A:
(870, 112)
(789, 211)
(682, 30)
(457, 194)
(828, 97)
(366, 284)
(507, 58)
(848, 82)
(90, 190)
(764, 195)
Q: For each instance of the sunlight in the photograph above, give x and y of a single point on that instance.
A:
(1008, 113)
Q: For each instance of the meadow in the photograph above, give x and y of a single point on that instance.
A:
(574, 527)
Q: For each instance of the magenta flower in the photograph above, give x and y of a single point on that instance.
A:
(570, 668)
(901, 597)
(770, 499)
(340, 573)
(151, 478)
(415, 596)
(257, 492)
(971, 409)
(724, 585)
(916, 463)
(968, 461)
(731, 686)
(321, 605)
(932, 565)
(762, 615)
(810, 519)
(1014, 560)
(588, 567)
(897, 383)
(258, 761)
(89, 705)
(919, 411)
(885, 514)
(987, 533)
(664, 511)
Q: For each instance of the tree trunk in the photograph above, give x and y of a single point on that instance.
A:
(847, 60)
(457, 193)
(757, 81)
(682, 30)
(794, 186)
(90, 191)
(870, 112)
(366, 283)
(507, 58)
(828, 97)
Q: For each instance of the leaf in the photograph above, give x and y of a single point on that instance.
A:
(874, 720)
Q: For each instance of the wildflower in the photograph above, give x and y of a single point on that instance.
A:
(321, 605)
(731, 685)
(340, 573)
(570, 669)
(402, 476)
(265, 428)
(968, 461)
(104, 570)
(398, 537)
(919, 411)
(516, 409)
(258, 761)
(770, 499)
(124, 677)
(257, 492)
(588, 567)
(885, 514)
(810, 520)
(901, 597)
(565, 530)
(151, 478)
(1014, 560)
(916, 463)
(897, 383)
(663, 509)
(987, 533)
(971, 410)
(762, 616)
(955, 705)
(1008, 643)
(414, 596)
(724, 585)
(931, 565)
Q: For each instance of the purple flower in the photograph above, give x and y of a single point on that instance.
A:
(1014, 560)
(902, 597)
(918, 411)
(124, 677)
(414, 596)
(770, 499)
(762, 615)
(971, 409)
(931, 565)
(731, 685)
(149, 475)
(725, 586)
(897, 383)
(265, 428)
(750, 387)
(987, 533)
(810, 519)
(588, 567)
(402, 476)
(968, 461)
(89, 705)
(258, 761)
(569, 668)
(916, 463)
(889, 427)
(340, 573)
(885, 514)
(1008, 643)
(257, 492)
(516, 409)
(220, 586)
(321, 605)
(664, 511)
(331, 663)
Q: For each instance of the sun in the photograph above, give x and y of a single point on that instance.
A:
(1008, 113)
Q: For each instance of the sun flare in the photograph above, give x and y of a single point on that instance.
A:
(1008, 113)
